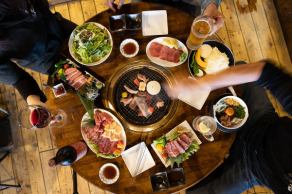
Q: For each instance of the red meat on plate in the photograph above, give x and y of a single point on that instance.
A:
(186, 138)
(155, 49)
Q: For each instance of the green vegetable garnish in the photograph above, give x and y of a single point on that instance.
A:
(239, 111)
(183, 56)
(194, 66)
(91, 43)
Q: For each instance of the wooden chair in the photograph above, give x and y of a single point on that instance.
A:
(6, 143)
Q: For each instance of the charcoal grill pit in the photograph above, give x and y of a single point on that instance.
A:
(129, 117)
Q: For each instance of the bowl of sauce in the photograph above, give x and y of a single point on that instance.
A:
(109, 173)
(129, 48)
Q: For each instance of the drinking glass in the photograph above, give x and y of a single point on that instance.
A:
(205, 125)
(201, 28)
(37, 117)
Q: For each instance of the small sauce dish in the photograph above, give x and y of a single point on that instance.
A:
(129, 48)
(109, 173)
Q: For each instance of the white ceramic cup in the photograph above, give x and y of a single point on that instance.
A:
(106, 180)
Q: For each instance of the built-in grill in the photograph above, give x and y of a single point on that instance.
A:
(130, 117)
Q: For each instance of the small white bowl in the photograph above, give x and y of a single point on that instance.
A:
(106, 180)
(230, 129)
(126, 41)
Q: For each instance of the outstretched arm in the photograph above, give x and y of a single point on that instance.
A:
(265, 74)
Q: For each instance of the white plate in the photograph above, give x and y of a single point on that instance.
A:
(154, 23)
(70, 42)
(161, 62)
(84, 122)
(194, 137)
(138, 159)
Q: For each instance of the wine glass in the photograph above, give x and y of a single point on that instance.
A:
(37, 117)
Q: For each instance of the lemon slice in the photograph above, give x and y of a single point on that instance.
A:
(203, 128)
(170, 42)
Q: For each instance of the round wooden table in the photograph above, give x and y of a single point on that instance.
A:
(201, 164)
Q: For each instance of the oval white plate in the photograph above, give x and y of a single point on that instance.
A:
(161, 62)
(70, 42)
(84, 121)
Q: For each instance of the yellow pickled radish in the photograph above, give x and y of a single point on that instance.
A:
(199, 60)
(203, 128)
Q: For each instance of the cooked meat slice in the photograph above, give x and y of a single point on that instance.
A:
(131, 91)
(169, 150)
(155, 49)
(178, 146)
(185, 138)
(126, 101)
(183, 144)
(160, 104)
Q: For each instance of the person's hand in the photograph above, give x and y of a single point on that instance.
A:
(110, 4)
(186, 86)
(212, 11)
(34, 100)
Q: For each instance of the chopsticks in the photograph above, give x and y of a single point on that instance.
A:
(140, 159)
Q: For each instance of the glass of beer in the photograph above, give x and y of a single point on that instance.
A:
(202, 27)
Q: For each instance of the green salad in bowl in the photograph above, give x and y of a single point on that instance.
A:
(90, 44)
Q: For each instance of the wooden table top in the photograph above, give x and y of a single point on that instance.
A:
(202, 163)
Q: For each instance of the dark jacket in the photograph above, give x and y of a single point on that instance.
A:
(267, 145)
(31, 36)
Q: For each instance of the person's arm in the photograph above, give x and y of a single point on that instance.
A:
(11, 74)
(206, 3)
(264, 73)
(234, 76)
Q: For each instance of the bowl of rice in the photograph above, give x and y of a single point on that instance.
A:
(211, 57)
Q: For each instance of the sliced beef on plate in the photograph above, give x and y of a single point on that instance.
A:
(183, 144)
(178, 146)
(169, 150)
(174, 55)
(186, 138)
(75, 78)
(165, 52)
(154, 49)
(174, 149)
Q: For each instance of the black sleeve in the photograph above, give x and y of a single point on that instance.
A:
(279, 83)
(11, 74)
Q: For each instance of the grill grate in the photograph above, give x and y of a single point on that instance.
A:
(132, 115)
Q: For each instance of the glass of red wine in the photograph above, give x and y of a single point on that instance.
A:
(37, 117)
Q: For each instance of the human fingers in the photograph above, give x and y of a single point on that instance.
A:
(121, 3)
(219, 21)
(110, 5)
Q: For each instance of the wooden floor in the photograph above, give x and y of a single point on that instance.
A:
(252, 36)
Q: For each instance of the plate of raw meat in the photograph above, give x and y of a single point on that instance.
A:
(105, 136)
(177, 145)
(167, 51)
